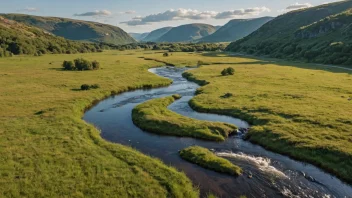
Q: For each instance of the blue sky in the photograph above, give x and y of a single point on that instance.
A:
(147, 15)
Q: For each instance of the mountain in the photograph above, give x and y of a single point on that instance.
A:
(138, 36)
(75, 29)
(319, 34)
(187, 33)
(156, 34)
(236, 29)
(17, 38)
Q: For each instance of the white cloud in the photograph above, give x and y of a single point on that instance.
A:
(296, 6)
(29, 9)
(96, 13)
(128, 12)
(182, 14)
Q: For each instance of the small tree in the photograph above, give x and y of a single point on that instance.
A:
(228, 71)
(85, 87)
(68, 65)
(166, 54)
(95, 65)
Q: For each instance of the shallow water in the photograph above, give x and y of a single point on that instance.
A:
(274, 175)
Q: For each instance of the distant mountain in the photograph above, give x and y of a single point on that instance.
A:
(17, 38)
(139, 36)
(319, 34)
(187, 33)
(236, 29)
(156, 34)
(75, 29)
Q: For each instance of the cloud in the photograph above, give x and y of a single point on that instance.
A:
(241, 12)
(183, 14)
(29, 9)
(128, 12)
(296, 6)
(96, 13)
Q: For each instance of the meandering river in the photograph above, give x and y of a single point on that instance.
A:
(273, 175)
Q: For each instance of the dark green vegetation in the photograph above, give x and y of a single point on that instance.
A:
(320, 34)
(207, 159)
(75, 29)
(86, 87)
(228, 71)
(187, 33)
(47, 150)
(17, 39)
(80, 64)
(153, 116)
(156, 34)
(139, 36)
(236, 29)
(189, 47)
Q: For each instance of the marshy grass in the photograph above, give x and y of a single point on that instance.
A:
(154, 116)
(207, 159)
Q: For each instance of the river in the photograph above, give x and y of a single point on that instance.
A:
(274, 175)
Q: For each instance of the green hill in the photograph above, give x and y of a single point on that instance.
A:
(186, 33)
(156, 34)
(138, 36)
(17, 38)
(75, 29)
(236, 29)
(319, 34)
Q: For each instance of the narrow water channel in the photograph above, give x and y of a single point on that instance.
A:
(274, 175)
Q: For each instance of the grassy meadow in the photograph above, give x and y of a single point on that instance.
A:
(47, 150)
(207, 159)
(300, 110)
(154, 116)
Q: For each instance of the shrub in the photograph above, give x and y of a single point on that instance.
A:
(166, 54)
(82, 64)
(95, 65)
(85, 87)
(68, 65)
(228, 71)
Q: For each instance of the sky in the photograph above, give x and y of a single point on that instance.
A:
(147, 15)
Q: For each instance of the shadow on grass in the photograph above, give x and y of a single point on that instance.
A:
(77, 89)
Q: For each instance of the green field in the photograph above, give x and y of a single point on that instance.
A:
(207, 159)
(47, 150)
(154, 116)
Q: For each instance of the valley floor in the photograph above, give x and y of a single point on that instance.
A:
(47, 150)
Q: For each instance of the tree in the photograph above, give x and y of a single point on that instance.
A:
(228, 71)
(95, 65)
(166, 54)
(68, 65)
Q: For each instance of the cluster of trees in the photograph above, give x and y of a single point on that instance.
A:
(80, 64)
(228, 71)
(33, 41)
(171, 47)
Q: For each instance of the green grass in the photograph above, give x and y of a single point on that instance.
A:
(207, 159)
(47, 150)
(153, 116)
(295, 109)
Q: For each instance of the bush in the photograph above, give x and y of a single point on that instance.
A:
(166, 54)
(68, 65)
(228, 71)
(85, 87)
(82, 64)
(95, 65)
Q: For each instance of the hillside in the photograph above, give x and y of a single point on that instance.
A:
(75, 29)
(236, 29)
(17, 38)
(138, 36)
(156, 34)
(186, 33)
(319, 34)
